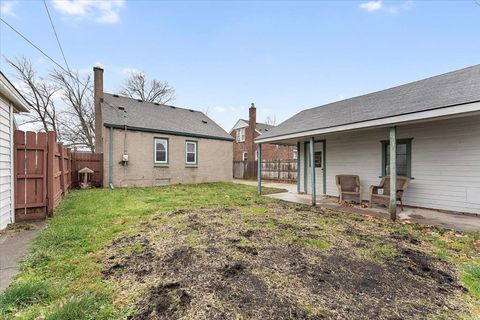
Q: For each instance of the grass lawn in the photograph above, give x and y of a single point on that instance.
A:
(218, 251)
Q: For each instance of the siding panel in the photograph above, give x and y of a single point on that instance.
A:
(6, 169)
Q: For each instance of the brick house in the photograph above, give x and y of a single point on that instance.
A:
(245, 131)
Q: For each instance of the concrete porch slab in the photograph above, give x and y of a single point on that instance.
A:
(453, 221)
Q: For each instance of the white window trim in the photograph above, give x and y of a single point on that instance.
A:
(155, 151)
(240, 137)
(195, 143)
(243, 156)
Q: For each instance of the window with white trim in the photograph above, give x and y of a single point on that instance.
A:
(245, 156)
(241, 135)
(295, 154)
(191, 152)
(161, 150)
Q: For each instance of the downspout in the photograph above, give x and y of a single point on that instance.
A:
(110, 159)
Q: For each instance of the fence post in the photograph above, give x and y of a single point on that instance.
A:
(62, 165)
(51, 144)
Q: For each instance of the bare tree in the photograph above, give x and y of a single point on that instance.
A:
(39, 93)
(78, 118)
(271, 120)
(138, 87)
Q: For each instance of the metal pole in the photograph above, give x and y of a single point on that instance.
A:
(312, 170)
(259, 171)
(393, 173)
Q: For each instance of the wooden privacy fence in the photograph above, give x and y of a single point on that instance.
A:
(93, 161)
(43, 174)
(278, 170)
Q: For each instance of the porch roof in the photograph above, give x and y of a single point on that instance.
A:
(442, 95)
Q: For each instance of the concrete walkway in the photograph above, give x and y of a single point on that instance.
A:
(454, 221)
(14, 243)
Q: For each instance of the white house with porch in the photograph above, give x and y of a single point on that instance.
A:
(432, 125)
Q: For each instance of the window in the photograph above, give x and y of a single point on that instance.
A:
(191, 152)
(241, 135)
(161, 150)
(318, 159)
(256, 155)
(404, 157)
(295, 154)
(245, 156)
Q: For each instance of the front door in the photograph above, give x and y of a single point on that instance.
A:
(318, 163)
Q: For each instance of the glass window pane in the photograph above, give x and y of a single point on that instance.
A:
(402, 148)
(161, 145)
(402, 160)
(191, 157)
(161, 156)
(190, 147)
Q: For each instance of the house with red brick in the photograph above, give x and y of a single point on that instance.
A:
(244, 148)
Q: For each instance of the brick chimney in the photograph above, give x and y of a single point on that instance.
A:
(97, 99)
(250, 134)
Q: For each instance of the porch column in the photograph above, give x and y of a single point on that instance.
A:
(298, 167)
(312, 170)
(259, 171)
(393, 173)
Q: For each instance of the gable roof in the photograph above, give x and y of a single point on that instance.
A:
(8, 90)
(159, 118)
(260, 127)
(449, 89)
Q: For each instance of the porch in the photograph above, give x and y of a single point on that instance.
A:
(447, 220)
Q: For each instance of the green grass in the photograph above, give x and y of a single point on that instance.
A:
(63, 257)
(61, 276)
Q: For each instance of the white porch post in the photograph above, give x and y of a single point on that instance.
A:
(259, 171)
(312, 170)
(393, 173)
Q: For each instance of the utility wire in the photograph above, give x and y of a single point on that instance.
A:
(56, 35)
(46, 55)
(33, 45)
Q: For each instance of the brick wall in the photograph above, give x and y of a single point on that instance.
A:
(269, 151)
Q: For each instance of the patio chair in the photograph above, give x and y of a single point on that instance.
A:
(349, 188)
(384, 197)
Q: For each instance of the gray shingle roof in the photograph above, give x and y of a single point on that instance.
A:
(453, 88)
(262, 127)
(163, 118)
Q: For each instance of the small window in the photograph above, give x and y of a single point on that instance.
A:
(245, 156)
(318, 159)
(191, 152)
(256, 155)
(161, 150)
(241, 135)
(404, 157)
(295, 154)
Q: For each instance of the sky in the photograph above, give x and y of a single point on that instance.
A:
(220, 56)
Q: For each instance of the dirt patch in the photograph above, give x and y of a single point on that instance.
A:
(196, 266)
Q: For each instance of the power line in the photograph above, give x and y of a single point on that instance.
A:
(33, 44)
(56, 35)
(68, 72)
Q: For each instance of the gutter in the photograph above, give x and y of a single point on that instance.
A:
(173, 133)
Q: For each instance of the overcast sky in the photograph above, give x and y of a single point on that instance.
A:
(285, 56)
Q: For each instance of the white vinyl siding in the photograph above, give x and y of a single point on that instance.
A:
(6, 165)
(445, 162)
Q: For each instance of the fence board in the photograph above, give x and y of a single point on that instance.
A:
(278, 170)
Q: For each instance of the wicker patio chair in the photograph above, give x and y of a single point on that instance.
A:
(384, 197)
(349, 188)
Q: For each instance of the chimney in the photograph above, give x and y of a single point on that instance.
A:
(250, 134)
(97, 99)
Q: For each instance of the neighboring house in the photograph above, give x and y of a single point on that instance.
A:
(244, 148)
(434, 122)
(11, 101)
(147, 144)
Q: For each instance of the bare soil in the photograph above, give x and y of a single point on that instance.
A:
(278, 261)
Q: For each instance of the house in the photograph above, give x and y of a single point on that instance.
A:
(434, 124)
(11, 101)
(244, 148)
(147, 144)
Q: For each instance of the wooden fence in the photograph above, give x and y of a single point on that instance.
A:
(93, 161)
(44, 173)
(277, 170)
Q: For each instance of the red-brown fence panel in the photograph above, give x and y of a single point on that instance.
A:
(90, 160)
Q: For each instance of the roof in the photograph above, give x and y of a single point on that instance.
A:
(159, 118)
(449, 89)
(8, 90)
(260, 127)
